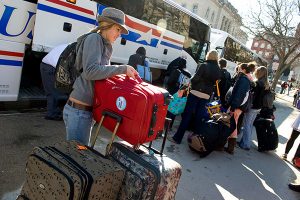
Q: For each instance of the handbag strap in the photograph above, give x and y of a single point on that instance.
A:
(218, 90)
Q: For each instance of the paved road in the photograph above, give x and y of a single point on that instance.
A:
(246, 175)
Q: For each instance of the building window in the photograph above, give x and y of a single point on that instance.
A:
(262, 45)
(183, 5)
(207, 13)
(195, 8)
(212, 17)
(269, 46)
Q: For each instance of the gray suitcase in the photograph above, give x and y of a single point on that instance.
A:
(67, 171)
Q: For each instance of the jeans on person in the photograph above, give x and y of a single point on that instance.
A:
(78, 124)
(195, 105)
(248, 120)
(52, 94)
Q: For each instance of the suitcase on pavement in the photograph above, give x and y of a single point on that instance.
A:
(149, 173)
(267, 136)
(141, 106)
(213, 134)
(68, 170)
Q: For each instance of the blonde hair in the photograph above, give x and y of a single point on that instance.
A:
(103, 25)
(261, 73)
(212, 55)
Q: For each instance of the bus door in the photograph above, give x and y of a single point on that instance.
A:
(16, 23)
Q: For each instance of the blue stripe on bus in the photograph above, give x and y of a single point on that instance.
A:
(170, 45)
(132, 36)
(11, 62)
(66, 14)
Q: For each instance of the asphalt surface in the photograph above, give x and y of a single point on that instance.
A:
(245, 175)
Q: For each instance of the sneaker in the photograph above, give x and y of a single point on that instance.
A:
(284, 156)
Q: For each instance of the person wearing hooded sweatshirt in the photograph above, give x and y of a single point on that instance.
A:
(202, 86)
(138, 58)
(94, 51)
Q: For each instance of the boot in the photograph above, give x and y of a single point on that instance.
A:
(231, 145)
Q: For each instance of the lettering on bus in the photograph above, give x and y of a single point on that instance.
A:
(4, 89)
(5, 20)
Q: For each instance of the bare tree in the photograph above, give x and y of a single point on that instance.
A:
(274, 23)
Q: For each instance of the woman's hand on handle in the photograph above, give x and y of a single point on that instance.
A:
(131, 72)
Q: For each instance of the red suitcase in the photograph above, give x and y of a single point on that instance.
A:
(141, 106)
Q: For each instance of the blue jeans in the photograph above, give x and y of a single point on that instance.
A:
(195, 105)
(52, 94)
(78, 123)
(248, 120)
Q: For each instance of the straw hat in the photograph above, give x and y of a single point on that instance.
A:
(115, 16)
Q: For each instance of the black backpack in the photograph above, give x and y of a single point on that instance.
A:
(66, 72)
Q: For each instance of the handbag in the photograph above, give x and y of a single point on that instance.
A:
(178, 103)
(214, 107)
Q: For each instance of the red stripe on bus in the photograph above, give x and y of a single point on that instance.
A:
(90, 12)
(145, 29)
(172, 40)
(10, 53)
(141, 27)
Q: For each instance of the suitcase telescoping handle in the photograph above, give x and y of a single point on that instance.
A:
(114, 116)
(167, 125)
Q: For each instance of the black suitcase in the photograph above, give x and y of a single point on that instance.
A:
(213, 134)
(267, 136)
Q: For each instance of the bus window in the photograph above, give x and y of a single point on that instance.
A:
(131, 10)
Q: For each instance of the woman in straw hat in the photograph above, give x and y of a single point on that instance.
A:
(94, 51)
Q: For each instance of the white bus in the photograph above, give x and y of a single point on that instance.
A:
(31, 28)
(233, 50)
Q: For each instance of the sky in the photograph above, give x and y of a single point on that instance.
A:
(244, 7)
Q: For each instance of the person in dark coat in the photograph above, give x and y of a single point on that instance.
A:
(225, 81)
(173, 84)
(238, 99)
(171, 67)
(202, 86)
(138, 58)
(173, 81)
